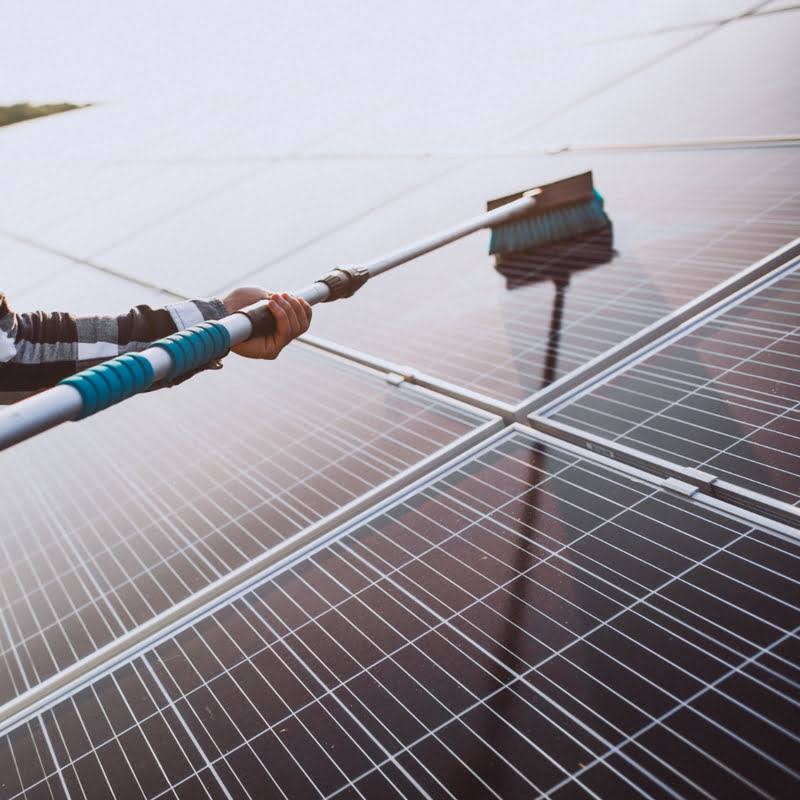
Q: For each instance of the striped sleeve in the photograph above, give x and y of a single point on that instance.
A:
(39, 349)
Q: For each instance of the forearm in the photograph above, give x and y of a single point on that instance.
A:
(37, 349)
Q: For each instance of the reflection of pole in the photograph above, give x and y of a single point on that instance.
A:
(510, 638)
(556, 316)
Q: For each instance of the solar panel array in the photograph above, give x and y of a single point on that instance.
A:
(528, 623)
(316, 578)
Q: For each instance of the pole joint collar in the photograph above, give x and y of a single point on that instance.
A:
(344, 281)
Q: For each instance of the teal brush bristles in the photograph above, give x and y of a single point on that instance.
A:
(548, 226)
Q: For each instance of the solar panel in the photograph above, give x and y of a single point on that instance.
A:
(721, 397)
(529, 621)
(682, 223)
(112, 522)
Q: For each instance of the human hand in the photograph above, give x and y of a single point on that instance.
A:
(292, 318)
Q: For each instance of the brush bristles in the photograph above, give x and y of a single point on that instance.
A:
(555, 225)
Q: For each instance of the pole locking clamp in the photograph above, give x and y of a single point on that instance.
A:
(344, 281)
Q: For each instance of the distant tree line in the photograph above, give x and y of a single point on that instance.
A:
(22, 111)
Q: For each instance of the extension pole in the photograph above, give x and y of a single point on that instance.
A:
(119, 378)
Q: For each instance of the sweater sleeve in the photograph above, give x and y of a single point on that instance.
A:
(39, 349)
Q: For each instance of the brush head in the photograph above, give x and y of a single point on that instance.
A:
(563, 210)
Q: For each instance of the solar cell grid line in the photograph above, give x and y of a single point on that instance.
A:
(721, 397)
(367, 439)
(25, 601)
(227, 671)
(385, 655)
(122, 722)
(83, 513)
(291, 717)
(18, 772)
(665, 374)
(583, 336)
(388, 655)
(283, 722)
(581, 354)
(672, 631)
(252, 479)
(169, 474)
(78, 753)
(659, 268)
(736, 368)
(185, 728)
(224, 671)
(501, 587)
(686, 704)
(103, 584)
(477, 703)
(279, 723)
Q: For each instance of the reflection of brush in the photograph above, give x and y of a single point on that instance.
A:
(556, 262)
(562, 210)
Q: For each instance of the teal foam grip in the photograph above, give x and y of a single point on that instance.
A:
(112, 381)
(195, 346)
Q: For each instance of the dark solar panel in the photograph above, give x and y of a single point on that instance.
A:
(527, 623)
(112, 521)
(682, 223)
(722, 397)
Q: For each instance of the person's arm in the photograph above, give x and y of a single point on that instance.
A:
(39, 349)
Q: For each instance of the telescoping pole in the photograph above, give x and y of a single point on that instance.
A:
(118, 378)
